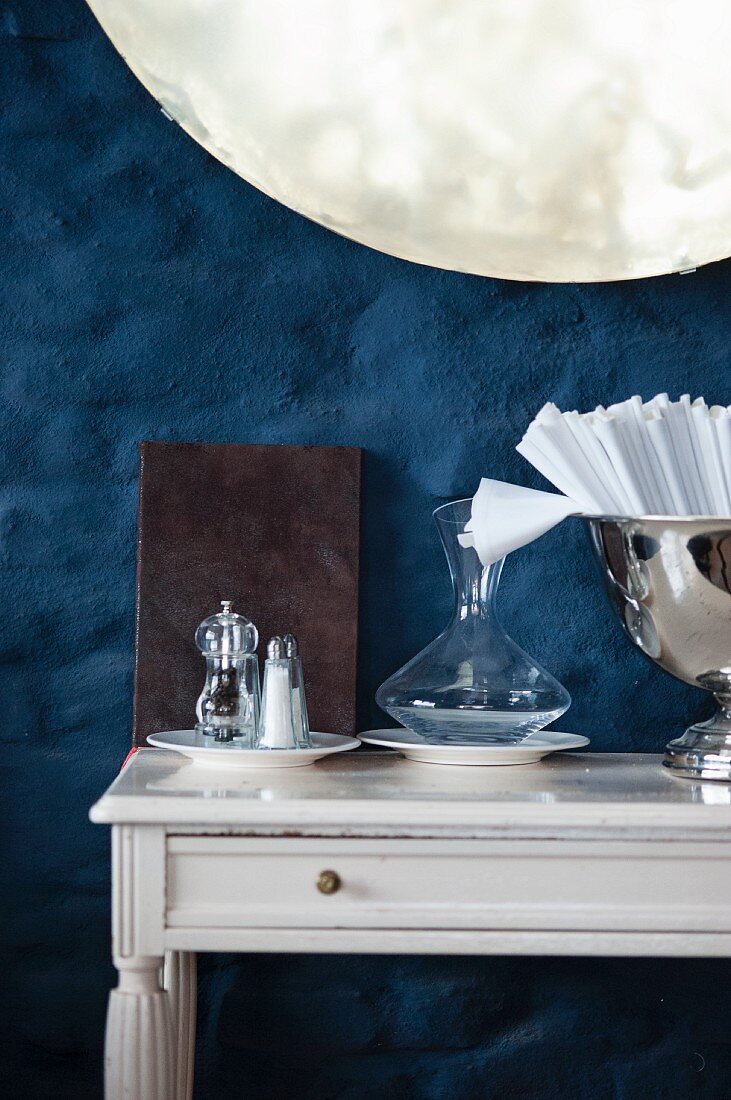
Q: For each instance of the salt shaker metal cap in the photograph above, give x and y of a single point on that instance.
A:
(291, 647)
(276, 649)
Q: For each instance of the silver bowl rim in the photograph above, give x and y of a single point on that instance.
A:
(652, 518)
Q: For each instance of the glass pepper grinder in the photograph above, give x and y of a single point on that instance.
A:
(283, 710)
(228, 706)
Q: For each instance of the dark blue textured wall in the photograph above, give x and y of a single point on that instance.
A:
(149, 293)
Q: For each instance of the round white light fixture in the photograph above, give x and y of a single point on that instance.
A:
(559, 140)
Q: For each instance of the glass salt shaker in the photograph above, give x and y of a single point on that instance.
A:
(228, 707)
(299, 703)
(283, 710)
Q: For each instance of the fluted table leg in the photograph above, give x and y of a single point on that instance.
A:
(179, 981)
(139, 1061)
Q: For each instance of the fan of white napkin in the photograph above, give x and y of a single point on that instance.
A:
(637, 458)
(660, 457)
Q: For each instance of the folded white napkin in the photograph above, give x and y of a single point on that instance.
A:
(506, 517)
(633, 458)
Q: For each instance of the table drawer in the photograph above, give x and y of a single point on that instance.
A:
(230, 882)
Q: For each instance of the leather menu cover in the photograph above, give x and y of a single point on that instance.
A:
(276, 530)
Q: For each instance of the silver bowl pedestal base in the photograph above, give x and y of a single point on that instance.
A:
(704, 750)
(697, 756)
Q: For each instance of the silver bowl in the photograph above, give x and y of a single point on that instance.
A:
(669, 580)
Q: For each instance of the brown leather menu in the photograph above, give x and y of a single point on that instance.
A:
(276, 530)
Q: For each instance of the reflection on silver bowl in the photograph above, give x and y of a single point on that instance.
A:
(669, 580)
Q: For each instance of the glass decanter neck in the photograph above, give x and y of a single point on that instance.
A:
(475, 585)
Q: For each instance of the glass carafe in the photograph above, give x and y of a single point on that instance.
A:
(472, 684)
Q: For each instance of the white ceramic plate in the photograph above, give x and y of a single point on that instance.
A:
(212, 754)
(528, 751)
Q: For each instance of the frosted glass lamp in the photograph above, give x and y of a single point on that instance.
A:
(558, 140)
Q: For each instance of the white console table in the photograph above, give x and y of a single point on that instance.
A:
(367, 852)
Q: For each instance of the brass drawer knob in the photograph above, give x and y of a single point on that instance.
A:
(328, 882)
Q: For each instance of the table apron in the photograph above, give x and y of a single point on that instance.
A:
(507, 886)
